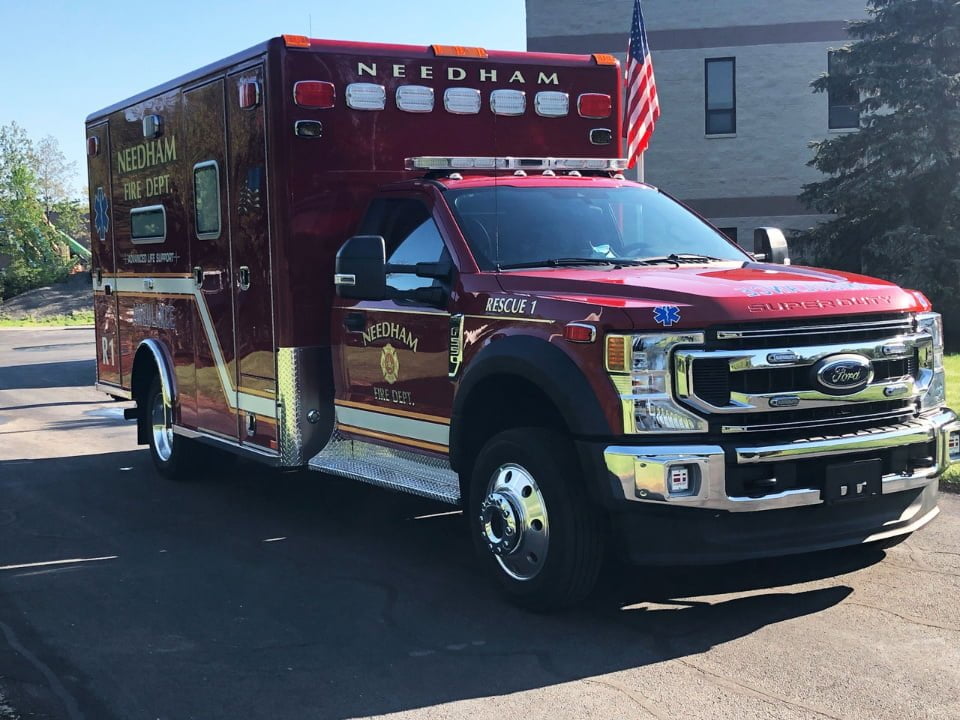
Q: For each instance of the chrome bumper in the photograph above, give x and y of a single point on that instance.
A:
(643, 471)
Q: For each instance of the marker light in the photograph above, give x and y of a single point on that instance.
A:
(601, 136)
(616, 354)
(461, 101)
(297, 41)
(415, 98)
(604, 59)
(594, 105)
(152, 126)
(248, 93)
(314, 94)
(551, 103)
(508, 102)
(579, 332)
(366, 96)
(308, 128)
(93, 146)
(458, 51)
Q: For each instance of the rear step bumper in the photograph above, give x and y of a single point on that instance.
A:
(644, 472)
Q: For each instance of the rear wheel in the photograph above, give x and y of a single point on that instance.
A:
(531, 521)
(174, 456)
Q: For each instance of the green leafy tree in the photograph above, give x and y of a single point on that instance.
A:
(31, 252)
(894, 185)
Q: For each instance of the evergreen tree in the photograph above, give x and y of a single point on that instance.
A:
(894, 185)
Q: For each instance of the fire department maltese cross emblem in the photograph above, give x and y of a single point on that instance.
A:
(389, 363)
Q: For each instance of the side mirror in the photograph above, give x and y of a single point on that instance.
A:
(769, 245)
(361, 272)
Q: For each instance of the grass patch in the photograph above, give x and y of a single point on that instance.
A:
(82, 317)
(951, 479)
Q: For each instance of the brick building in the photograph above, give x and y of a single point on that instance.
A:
(738, 113)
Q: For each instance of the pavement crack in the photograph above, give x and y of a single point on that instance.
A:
(57, 687)
(645, 704)
(754, 691)
(907, 618)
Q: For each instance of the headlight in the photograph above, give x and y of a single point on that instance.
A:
(639, 366)
(931, 361)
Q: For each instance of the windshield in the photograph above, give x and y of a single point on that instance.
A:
(533, 226)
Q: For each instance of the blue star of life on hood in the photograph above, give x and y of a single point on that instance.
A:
(666, 315)
(101, 216)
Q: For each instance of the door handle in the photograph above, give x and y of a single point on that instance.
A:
(198, 276)
(243, 278)
(355, 321)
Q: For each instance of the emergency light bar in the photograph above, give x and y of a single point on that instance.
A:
(435, 162)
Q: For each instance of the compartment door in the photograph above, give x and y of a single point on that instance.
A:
(216, 393)
(252, 272)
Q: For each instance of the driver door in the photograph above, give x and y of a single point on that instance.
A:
(394, 353)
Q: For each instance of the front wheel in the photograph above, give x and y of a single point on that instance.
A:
(531, 520)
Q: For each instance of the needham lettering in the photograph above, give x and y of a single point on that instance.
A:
(147, 154)
(392, 331)
(426, 72)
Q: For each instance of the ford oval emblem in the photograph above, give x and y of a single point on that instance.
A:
(842, 374)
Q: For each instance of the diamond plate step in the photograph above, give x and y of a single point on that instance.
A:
(395, 469)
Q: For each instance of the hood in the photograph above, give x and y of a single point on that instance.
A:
(696, 296)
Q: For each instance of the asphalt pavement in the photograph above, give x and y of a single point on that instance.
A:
(256, 594)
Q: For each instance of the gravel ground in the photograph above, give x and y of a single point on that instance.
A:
(74, 295)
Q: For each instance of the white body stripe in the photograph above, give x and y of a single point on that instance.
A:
(186, 286)
(393, 425)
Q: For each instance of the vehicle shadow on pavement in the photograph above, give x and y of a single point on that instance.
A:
(252, 593)
(69, 373)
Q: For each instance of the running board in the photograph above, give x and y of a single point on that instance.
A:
(399, 470)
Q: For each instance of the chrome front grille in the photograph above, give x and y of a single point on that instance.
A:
(763, 377)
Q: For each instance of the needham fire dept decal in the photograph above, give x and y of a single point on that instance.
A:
(390, 365)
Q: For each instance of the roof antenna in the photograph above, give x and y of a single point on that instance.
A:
(310, 25)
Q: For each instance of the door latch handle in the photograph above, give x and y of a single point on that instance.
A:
(355, 321)
(243, 278)
(198, 276)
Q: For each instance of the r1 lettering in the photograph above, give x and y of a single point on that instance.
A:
(107, 353)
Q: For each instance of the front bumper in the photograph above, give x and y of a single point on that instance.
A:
(643, 471)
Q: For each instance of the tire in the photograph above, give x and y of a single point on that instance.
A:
(173, 456)
(531, 521)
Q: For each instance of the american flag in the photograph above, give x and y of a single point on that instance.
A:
(643, 107)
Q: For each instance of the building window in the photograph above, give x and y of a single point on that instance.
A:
(729, 232)
(206, 199)
(842, 96)
(148, 224)
(720, 81)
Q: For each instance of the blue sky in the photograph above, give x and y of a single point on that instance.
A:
(62, 60)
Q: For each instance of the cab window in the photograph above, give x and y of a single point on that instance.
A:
(411, 237)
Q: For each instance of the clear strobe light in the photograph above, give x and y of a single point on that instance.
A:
(366, 96)
(550, 103)
(415, 98)
(461, 101)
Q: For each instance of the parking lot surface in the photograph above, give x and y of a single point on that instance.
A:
(255, 594)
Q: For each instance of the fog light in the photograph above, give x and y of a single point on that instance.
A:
(678, 479)
(954, 445)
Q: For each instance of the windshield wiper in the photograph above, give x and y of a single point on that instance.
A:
(560, 262)
(677, 258)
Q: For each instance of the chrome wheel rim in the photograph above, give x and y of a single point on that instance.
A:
(513, 522)
(162, 427)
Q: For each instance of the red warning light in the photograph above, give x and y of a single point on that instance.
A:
(314, 94)
(595, 105)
